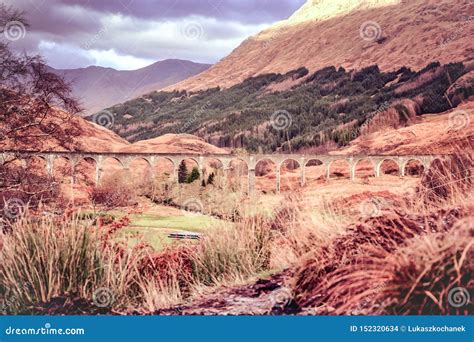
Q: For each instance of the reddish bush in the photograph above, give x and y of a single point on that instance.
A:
(174, 264)
(109, 197)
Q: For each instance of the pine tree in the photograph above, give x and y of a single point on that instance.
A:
(193, 175)
(182, 173)
(210, 179)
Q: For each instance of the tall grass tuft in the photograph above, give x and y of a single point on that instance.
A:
(429, 274)
(447, 181)
(232, 253)
(44, 258)
(432, 274)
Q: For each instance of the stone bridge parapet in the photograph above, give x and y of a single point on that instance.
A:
(251, 160)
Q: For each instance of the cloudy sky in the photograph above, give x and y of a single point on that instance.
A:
(129, 34)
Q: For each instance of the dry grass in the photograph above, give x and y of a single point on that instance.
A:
(159, 294)
(425, 273)
(44, 258)
(447, 181)
(321, 270)
(405, 261)
(171, 268)
(297, 231)
(231, 253)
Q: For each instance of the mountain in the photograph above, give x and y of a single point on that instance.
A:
(334, 71)
(298, 110)
(352, 34)
(442, 133)
(92, 137)
(98, 87)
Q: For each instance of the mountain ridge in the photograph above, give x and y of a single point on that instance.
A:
(389, 33)
(99, 87)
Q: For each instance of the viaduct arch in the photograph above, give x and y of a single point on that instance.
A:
(125, 159)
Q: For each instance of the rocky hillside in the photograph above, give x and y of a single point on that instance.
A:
(352, 34)
(98, 87)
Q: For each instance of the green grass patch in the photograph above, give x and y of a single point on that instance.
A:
(154, 229)
(192, 223)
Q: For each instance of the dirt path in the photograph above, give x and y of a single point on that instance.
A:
(264, 297)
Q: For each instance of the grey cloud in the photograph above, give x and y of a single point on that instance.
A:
(249, 11)
(143, 30)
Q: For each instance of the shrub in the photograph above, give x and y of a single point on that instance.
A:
(113, 192)
(172, 267)
(26, 188)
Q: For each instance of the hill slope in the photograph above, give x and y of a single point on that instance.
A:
(98, 87)
(352, 34)
(430, 134)
(82, 135)
(173, 143)
(297, 110)
(76, 134)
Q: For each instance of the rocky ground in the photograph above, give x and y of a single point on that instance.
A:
(264, 297)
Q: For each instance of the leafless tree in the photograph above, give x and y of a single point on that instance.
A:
(35, 105)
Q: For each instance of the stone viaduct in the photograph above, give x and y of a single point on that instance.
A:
(125, 159)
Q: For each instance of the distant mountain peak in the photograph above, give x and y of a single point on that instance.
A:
(99, 87)
(326, 9)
